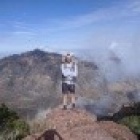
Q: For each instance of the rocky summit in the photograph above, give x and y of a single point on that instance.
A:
(77, 124)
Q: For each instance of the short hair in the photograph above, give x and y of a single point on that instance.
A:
(64, 58)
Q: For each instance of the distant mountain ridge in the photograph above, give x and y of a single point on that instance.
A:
(32, 80)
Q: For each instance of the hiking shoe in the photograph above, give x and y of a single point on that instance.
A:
(73, 105)
(64, 107)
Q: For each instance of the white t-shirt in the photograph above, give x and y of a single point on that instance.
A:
(69, 70)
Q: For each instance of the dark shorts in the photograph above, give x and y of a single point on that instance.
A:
(68, 88)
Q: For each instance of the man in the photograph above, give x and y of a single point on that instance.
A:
(69, 75)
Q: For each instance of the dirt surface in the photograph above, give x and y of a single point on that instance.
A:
(79, 125)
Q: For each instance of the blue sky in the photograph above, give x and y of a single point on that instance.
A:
(60, 25)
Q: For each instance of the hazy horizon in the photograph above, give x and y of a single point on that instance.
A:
(94, 29)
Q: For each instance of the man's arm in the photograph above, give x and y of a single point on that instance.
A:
(64, 71)
(75, 72)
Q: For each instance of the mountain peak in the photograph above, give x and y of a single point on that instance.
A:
(37, 52)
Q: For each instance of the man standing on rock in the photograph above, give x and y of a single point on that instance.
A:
(69, 75)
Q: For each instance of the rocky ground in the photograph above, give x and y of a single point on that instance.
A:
(77, 124)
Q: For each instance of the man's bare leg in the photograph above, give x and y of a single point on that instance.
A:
(65, 101)
(73, 99)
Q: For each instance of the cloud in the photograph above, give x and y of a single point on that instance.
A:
(135, 6)
(124, 48)
(24, 33)
(127, 9)
(78, 32)
(113, 45)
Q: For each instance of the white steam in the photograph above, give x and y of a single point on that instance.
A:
(116, 60)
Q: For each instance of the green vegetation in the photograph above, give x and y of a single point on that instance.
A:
(11, 126)
(133, 122)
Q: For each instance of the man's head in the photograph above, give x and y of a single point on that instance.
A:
(67, 58)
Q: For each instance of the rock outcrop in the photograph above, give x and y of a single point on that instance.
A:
(78, 124)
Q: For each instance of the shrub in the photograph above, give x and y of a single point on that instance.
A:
(133, 122)
(12, 127)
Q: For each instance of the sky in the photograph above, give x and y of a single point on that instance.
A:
(94, 28)
(60, 25)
